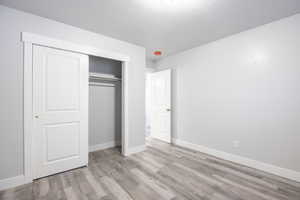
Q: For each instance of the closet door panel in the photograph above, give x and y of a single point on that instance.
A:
(60, 88)
(62, 83)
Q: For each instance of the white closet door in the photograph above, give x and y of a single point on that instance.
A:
(60, 107)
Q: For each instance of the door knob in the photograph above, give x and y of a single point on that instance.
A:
(36, 116)
(168, 109)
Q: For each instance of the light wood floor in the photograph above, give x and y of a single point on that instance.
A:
(162, 172)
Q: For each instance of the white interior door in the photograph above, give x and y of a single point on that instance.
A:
(161, 105)
(60, 107)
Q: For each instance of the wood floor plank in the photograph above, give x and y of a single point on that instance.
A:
(98, 190)
(161, 189)
(162, 172)
(115, 188)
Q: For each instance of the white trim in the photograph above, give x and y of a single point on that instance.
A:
(124, 108)
(283, 172)
(135, 150)
(12, 182)
(65, 45)
(103, 146)
(28, 110)
(29, 40)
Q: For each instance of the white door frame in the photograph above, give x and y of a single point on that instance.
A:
(30, 39)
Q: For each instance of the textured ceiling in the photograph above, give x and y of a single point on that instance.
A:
(167, 25)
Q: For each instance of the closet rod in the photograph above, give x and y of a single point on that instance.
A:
(102, 84)
(98, 76)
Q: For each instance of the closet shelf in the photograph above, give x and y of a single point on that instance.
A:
(104, 77)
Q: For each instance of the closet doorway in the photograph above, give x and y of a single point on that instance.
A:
(62, 81)
(105, 103)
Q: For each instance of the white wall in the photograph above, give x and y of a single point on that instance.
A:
(150, 65)
(104, 115)
(246, 88)
(12, 23)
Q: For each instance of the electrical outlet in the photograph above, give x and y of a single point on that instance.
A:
(236, 143)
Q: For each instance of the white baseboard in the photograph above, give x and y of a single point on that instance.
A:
(103, 146)
(134, 150)
(283, 172)
(13, 182)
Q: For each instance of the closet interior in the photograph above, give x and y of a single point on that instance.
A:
(105, 103)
